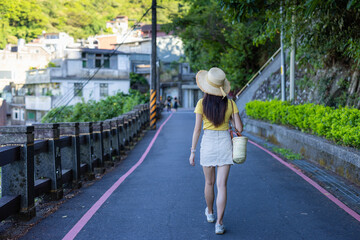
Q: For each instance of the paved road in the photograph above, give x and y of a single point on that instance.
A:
(163, 199)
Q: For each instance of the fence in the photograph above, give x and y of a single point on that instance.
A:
(42, 158)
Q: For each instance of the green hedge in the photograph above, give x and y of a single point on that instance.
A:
(92, 111)
(340, 125)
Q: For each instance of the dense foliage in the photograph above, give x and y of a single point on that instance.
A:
(340, 125)
(211, 39)
(326, 31)
(138, 82)
(91, 111)
(80, 18)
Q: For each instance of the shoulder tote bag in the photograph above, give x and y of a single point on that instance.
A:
(239, 143)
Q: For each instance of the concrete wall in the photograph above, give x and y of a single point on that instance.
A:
(92, 90)
(248, 94)
(344, 161)
(20, 62)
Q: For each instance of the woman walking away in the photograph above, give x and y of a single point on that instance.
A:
(215, 111)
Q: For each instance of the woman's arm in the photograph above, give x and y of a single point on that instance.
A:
(195, 138)
(238, 123)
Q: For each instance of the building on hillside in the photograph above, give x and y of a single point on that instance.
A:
(119, 25)
(85, 74)
(176, 79)
(14, 62)
(55, 43)
(146, 31)
(107, 41)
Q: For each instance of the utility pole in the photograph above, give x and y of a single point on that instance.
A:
(292, 61)
(158, 81)
(283, 66)
(153, 69)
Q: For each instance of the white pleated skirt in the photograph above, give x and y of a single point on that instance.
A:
(215, 148)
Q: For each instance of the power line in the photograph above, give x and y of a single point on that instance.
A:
(101, 66)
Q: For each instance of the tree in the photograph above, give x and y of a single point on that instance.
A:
(212, 39)
(326, 31)
(20, 19)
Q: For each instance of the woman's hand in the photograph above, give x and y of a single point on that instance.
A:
(192, 159)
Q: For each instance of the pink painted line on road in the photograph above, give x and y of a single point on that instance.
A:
(90, 213)
(313, 183)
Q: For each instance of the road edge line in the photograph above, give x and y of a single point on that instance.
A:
(312, 182)
(90, 213)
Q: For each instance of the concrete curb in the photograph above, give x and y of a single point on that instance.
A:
(344, 161)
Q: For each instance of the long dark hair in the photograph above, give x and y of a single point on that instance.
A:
(214, 108)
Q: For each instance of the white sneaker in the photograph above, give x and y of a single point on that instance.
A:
(209, 217)
(219, 229)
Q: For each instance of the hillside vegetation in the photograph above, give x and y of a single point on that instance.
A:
(79, 18)
(240, 35)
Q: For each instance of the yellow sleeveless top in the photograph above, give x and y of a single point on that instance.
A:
(209, 125)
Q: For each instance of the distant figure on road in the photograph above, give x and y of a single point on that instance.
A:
(215, 111)
(176, 103)
(168, 103)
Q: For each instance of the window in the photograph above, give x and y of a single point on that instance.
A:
(84, 60)
(78, 90)
(97, 63)
(16, 114)
(107, 61)
(95, 60)
(98, 58)
(104, 89)
(31, 115)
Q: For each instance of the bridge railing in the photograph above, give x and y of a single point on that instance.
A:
(43, 158)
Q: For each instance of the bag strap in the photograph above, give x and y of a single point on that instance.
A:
(233, 115)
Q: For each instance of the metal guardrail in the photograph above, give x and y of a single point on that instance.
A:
(258, 72)
(43, 158)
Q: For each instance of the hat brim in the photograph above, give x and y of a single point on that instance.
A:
(201, 77)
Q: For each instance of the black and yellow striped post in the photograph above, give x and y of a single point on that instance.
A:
(153, 68)
(152, 109)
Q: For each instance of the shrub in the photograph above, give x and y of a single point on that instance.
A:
(92, 111)
(341, 125)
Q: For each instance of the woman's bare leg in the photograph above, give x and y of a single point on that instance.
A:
(209, 173)
(221, 182)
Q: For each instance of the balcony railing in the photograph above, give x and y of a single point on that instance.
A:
(40, 103)
(103, 74)
(42, 75)
(46, 75)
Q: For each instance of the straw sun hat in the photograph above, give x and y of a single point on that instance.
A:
(213, 82)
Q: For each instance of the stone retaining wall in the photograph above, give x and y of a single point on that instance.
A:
(344, 161)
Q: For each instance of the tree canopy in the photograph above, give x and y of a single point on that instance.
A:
(212, 39)
(326, 31)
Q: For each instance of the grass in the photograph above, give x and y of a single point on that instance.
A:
(287, 153)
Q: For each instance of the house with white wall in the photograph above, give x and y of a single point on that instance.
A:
(55, 43)
(84, 74)
(15, 60)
